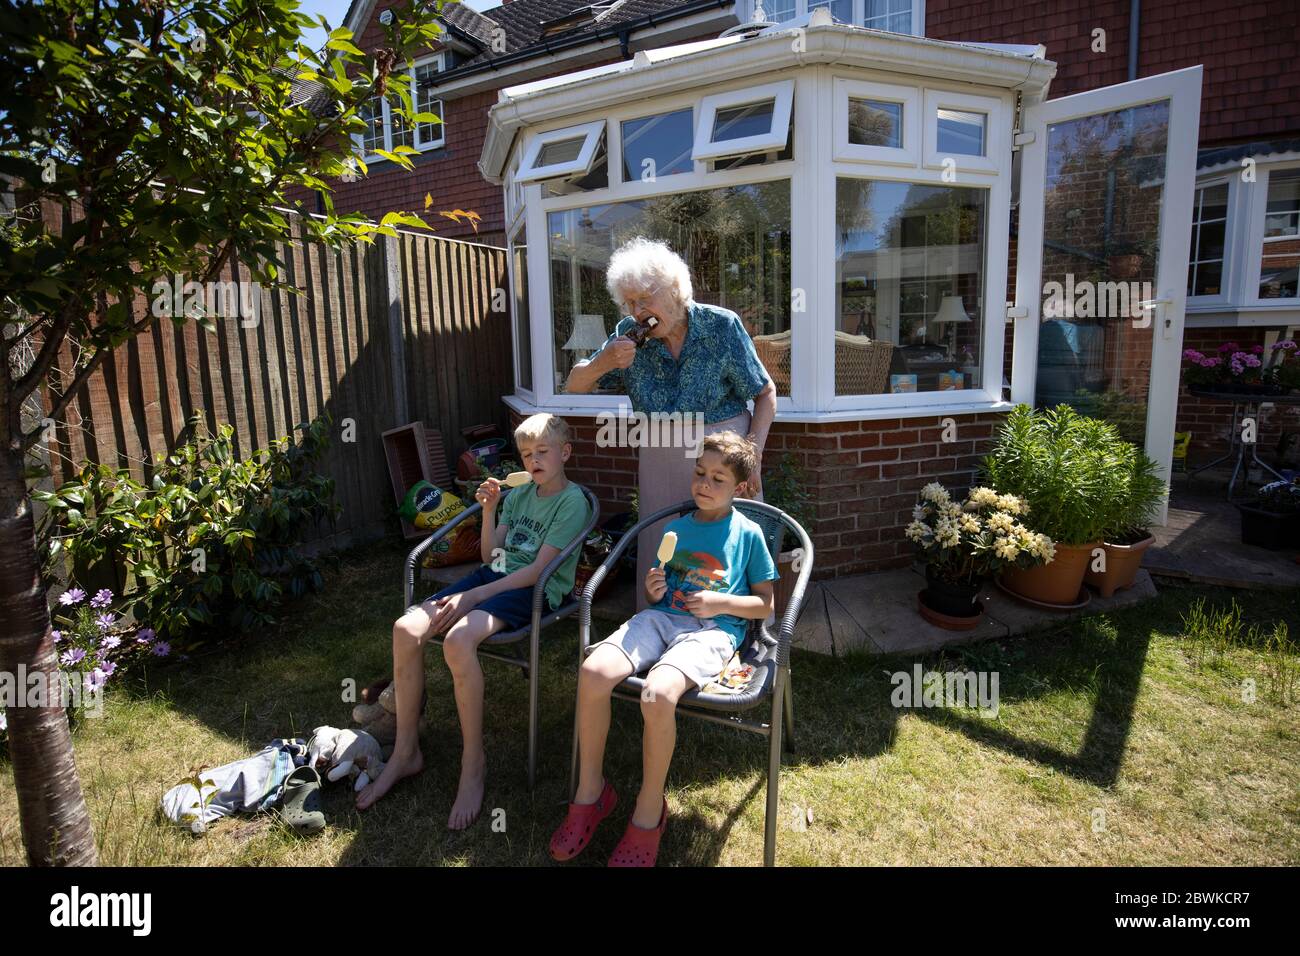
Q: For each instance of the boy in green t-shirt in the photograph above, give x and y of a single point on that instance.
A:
(537, 521)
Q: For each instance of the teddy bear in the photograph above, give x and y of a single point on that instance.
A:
(346, 753)
(379, 719)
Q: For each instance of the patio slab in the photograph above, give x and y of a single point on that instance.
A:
(1202, 542)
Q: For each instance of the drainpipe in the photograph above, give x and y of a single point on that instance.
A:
(1134, 28)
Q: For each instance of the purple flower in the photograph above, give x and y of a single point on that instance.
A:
(1286, 345)
(56, 636)
(108, 667)
(105, 621)
(72, 596)
(103, 598)
(71, 657)
(1229, 347)
(95, 680)
(161, 649)
(145, 636)
(110, 642)
(1191, 355)
(1257, 349)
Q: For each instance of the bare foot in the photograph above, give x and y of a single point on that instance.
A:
(399, 767)
(469, 794)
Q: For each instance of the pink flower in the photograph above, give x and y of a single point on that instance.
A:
(1229, 347)
(1287, 345)
(1191, 355)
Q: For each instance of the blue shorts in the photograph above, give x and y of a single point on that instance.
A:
(515, 607)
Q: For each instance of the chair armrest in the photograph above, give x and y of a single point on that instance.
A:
(625, 542)
(413, 558)
(785, 636)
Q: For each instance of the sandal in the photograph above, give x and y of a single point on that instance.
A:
(300, 801)
(640, 847)
(578, 827)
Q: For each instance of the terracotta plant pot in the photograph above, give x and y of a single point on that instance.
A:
(948, 622)
(1122, 563)
(582, 574)
(1058, 582)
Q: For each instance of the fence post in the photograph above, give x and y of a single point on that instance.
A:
(392, 298)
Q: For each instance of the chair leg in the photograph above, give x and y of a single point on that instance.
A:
(533, 693)
(773, 776)
(789, 715)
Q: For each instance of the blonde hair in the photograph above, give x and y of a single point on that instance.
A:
(641, 263)
(739, 454)
(542, 427)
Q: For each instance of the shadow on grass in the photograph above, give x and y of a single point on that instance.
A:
(292, 680)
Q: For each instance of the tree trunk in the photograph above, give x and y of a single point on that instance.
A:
(55, 824)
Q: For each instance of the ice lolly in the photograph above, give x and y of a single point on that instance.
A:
(667, 548)
(517, 479)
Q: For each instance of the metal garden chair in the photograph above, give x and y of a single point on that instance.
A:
(770, 656)
(492, 647)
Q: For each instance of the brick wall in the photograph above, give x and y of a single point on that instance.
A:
(1251, 86)
(1210, 421)
(864, 478)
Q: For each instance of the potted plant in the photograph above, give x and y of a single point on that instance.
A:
(1231, 368)
(1126, 258)
(786, 487)
(1128, 536)
(1272, 518)
(1065, 467)
(1283, 369)
(594, 551)
(963, 544)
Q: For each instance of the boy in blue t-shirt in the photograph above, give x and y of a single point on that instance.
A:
(719, 578)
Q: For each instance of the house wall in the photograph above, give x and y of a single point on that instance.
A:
(863, 478)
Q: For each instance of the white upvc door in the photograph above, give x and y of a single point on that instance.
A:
(1106, 192)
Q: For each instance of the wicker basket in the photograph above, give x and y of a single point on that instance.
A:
(774, 352)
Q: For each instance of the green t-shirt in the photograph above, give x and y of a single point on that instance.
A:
(531, 522)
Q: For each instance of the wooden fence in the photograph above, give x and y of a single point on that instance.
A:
(381, 335)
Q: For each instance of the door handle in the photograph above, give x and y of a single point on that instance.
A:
(1161, 309)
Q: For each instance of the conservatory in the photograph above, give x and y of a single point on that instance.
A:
(849, 193)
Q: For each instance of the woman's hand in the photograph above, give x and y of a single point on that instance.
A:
(656, 585)
(488, 494)
(617, 354)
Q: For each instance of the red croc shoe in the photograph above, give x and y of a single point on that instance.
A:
(580, 825)
(640, 847)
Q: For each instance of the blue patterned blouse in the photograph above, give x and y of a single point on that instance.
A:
(717, 372)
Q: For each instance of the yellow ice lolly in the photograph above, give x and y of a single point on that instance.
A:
(517, 479)
(667, 548)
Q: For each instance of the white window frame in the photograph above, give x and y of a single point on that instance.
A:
(386, 112)
(996, 126)
(590, 134)
(1231, 245)
(745, 10)
(907, 97)
(775, 139)
(1257, 199)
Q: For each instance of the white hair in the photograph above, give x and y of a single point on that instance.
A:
(641, 263)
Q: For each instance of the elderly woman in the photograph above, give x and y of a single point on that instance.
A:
(697, 359)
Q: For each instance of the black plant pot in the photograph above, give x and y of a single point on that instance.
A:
(1269, 529)
(951, 598)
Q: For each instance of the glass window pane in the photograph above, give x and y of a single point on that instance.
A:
(1207, 278)
(523, 331)
(735, 240)
(778, 11)
(909, 287)
(1103, 203)
(738, 122)
(961, 133)
(564, 151)
(892, 15)
(841, 10)
(372, 112)
(875, 123)
(658, 145)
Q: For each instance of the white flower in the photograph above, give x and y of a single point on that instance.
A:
(918, 513)
(970, 524)
(1007, 549)
(936, 492)
(916, 531)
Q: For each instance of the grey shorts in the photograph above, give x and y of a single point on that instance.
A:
(652, 638)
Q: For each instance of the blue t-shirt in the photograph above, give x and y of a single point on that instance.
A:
(727, 555)
(716, 374)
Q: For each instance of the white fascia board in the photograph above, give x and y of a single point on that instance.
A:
(836, 44)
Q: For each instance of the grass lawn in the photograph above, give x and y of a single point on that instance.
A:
(1118, 741)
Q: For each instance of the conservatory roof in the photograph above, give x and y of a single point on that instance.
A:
(694, 65)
